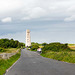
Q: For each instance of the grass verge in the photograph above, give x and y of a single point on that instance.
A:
(5, 64)
(66, 56)
(9, 50)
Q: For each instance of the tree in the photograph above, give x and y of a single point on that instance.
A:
(34, 47)
(6, 43)
(55, 47)
(43, 44)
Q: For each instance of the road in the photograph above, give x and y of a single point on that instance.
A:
(31, 63)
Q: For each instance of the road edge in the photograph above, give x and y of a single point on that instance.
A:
(11, 67)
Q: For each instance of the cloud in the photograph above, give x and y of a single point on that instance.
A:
(37, 9)
(7, 19)
(26, 18)
(49, 10)
(36, 12)
(71, 18)
(9, 5)
(16, 36)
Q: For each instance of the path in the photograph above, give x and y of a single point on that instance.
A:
(31, 63)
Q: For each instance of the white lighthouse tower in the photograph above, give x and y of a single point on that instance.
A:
(28, 39)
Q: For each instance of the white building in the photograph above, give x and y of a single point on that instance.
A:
(28, 39)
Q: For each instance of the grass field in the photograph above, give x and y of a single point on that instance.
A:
(5, 64)
(72, 47)
(61, 56)
(41, 46)
(9, 50)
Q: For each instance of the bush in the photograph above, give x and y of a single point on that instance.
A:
(56, 47)
(2, 50)
(43, 44)
(34, 47)
(6, 43)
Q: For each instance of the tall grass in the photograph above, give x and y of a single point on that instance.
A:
(67, 56)
(59, 52)
(8, 50)
(5, 64)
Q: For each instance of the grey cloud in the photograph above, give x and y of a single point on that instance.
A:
(30, 9)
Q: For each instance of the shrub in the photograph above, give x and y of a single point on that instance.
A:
(6, 43)
(2, 50)
(34, 47)
(43, 44)
(56, 47)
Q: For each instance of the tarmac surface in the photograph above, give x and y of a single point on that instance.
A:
(31, 63)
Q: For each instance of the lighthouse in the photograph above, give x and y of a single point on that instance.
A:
(28, 39)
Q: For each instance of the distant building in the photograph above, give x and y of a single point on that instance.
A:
(28, 39)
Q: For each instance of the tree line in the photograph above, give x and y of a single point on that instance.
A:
(6, 43)
(56, 46)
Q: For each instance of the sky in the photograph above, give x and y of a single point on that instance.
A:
(48, 20)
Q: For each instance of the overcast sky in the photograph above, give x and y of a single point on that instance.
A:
(48, 20)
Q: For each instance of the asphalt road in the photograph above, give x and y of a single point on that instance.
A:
(31, 63)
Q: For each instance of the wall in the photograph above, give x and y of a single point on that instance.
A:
(7, 55)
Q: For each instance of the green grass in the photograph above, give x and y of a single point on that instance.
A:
(5, 64)
(72, 47)
(9, 50)
(66, 56)
(33, 50)
(71, 44)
